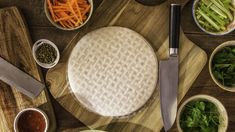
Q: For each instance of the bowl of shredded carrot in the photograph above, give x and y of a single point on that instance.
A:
(68, 14)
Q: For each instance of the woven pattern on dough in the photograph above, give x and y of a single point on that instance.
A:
(112, 71)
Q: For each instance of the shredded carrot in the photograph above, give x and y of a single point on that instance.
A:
(70, 23)
(81, 1)
(61, 23)
(59, 7)
(67, 25)
(72, 20)
(71, 9)
(69, 13)
(61, 4)
(61, 10)
(84, 17)
(86, 10)
(50, 8)
(79, 13)
(63, 18)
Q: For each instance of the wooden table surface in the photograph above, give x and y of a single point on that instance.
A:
(40, 27)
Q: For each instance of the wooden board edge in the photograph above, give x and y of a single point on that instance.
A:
(53, 124)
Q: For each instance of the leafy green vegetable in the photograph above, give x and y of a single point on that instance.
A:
(199, 116)
(223, 66)
(214, 15)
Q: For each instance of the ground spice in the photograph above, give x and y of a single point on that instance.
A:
(46, 53)
(31, 121)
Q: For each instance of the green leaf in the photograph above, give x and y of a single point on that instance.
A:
(190, 122)
(218, 75)
(200, 105)
(233, 50)
(205, 120)
(200, 116)
(231, 68)
(223, 66)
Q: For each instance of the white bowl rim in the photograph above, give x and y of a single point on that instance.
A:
(216, 50)
(205, 97)
(33, 109)
(208, 32)
(68, 29)
(35, 47)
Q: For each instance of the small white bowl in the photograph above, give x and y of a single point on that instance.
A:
(61, 27)
(228, 30)
(31, 109)
(222, 111)
(38, 44)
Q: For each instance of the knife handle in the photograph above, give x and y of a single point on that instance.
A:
(174, 30)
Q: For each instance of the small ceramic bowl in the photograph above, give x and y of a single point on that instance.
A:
(37, 44)
(61, 27)
(229, 28)
(16, 121)
(223, 113)
(217, 49)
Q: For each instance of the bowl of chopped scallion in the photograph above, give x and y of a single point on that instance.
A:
(202, 113)
(45, 53)
(222, 66)
(215, 17)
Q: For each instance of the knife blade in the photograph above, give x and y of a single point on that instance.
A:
(19, 79)
(169, 71)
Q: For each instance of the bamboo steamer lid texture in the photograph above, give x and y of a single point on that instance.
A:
(112, 71)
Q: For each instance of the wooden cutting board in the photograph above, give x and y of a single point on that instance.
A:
(152, 23)
(15, 47)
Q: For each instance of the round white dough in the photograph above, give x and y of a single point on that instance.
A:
(112, 71)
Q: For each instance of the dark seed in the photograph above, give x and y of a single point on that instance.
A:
(46, 53)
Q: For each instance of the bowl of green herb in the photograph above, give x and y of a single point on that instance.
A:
(45, 53)
(222, 66)
(202, 113)
(215, 17)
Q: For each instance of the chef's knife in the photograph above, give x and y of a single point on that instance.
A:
(20, 80)
(169, 71)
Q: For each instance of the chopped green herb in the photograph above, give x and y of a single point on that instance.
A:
(223, 66)
(214, 15)
(46, 53)
(199, 116)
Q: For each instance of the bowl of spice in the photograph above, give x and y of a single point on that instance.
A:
(202, 113)
(45, 53)
(222, 66)
(31, 120)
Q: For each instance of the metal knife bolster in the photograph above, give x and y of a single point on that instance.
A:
(173, 52)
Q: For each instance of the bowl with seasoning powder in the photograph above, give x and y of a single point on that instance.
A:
(31, 120)
(45, 53)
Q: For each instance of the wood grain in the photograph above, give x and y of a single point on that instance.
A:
(152, 23)
(40, 27)
(16, 48)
